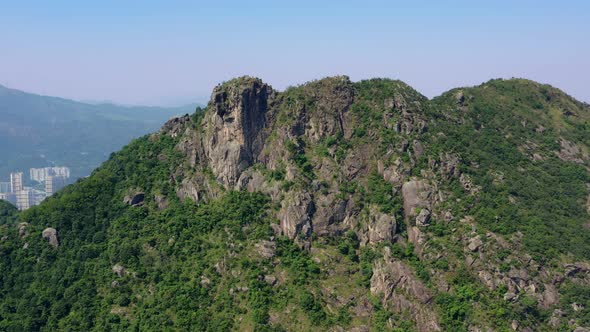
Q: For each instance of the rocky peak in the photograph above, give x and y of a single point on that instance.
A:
(233, 125)
(332, 98)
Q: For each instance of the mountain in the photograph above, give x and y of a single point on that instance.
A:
(334, 205)
(38, 131)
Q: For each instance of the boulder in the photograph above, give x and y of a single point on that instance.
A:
(119, 270)
(416, 194)
(205, 281)
(555, 319)
(22, 230)
(475, 243)
(50, 234)
(550, 296)
(161, 201)
(423, 218)
(449, 165)
(270, 279)
(468, 185)
(135, 199)
(393, 173)
(509, 296)
(266, 249)
(418, 149)
(382, 226)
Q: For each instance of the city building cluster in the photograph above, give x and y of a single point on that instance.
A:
(48, 180)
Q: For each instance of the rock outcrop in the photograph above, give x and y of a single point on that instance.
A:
(416, 194)
(119, 270)
(401, 290)
(382, 226)
(295, 215)
(50, 234)
(571, 152)
(23, 230)
(135, 199)
(233, 127)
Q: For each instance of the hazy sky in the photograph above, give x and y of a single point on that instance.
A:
(171, 52)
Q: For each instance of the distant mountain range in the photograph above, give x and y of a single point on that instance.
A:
(37, 131)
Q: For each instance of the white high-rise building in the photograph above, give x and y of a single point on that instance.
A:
(24, 199)
(41, 174)
(16, 182)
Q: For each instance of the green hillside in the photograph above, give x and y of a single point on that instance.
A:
(331, 206)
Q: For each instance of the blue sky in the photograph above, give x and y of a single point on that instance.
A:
(172, 52)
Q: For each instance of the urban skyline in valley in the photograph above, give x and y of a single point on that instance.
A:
(44, 183)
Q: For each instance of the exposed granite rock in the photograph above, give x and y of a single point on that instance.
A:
(233, 127)
(332, 98)
(417, 238)
(161, 201)
(449, 165)
(198, 188)
(468, 185)
(266, 249)
(416, 194)
(329, 213)
(393, 173)
(119, 270)
(550, 296)
(570, 152)
(295, 215)
(475, 243)
(271, 280)
(423, 218)
(403, 292)
(205, 281)
(50, 234)
(381, 226)
(22, 230)
(418, 149)
(555, 319)
(175, 126)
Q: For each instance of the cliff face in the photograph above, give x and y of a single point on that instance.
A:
(340, 205)
(233, 127)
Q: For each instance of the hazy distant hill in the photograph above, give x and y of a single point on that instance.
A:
(39, 131)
